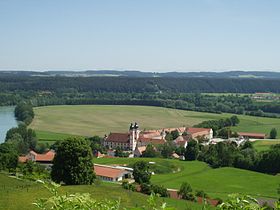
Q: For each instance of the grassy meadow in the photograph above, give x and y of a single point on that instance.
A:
(262, 145)
(215, 182)
(57, 122)
(18, 194)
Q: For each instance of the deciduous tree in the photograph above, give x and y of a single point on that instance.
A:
(73, 162)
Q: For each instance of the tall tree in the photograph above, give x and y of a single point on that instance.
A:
(8, 157)
(73, 162)
(186, 191)
(192, 150)
(273, 133)
(234, 120)
(141, 172)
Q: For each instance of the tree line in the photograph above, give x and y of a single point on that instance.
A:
(139, 85)
(179, 93)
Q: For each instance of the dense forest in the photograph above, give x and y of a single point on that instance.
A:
(139, 85)
(180, 93)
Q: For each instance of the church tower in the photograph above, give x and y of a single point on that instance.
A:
(133, 135)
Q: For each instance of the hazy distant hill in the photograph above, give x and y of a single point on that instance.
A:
(128, 73)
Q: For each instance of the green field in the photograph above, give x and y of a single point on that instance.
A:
(262, 145)
(51, 137)
(215, 182)
(17, 194)
(53, 122)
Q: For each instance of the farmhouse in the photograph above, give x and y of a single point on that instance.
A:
(182, 141)
(112, 173)
(138, 152)
(200, 132)
(252, 135)
(44, 159)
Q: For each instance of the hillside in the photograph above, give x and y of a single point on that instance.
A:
(215, 182)
(56, 122)
(25, 193)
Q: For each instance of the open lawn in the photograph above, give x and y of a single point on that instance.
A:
(53, 122)
(51, 137)
(17, 194)
(262, 145)
(215, 182)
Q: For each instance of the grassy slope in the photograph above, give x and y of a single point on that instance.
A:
(17, 194)
(88, 120)
(263, 145)
(216, 182)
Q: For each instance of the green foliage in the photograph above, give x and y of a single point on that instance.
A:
(175, 134)
(18, 143)
(269, 161)
(273, 133)
(150, 151)
(159, 190)
(24, 112)
(226, 154)
(146, 188)
(141, 172)
(152, 188)
(166, 150)
(120, 153)
(201, 193)
(8, 157)
(219, 126)
(180, 150)
(186, 192)
(85, 202)
(96, 145)
(219, 155)
(225, 133)
(73, 201)
(126, 185)
(234, 120)
(73, 162)
(33, 171)
(22, 138)
(169, 137)
(239, 202)
(192, 150)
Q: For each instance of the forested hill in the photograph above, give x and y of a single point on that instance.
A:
(138, 85)
(128, 73)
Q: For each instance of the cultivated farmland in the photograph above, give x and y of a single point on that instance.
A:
(53, 122)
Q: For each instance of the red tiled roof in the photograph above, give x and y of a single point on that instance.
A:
(47, 157)
(180, 129)
(197, 130)
(151, 141)
(260, 135)
(107, 171)
(118, 137)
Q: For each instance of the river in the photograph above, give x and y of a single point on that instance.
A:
(7, 120)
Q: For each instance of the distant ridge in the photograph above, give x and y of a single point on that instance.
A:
(130, 73)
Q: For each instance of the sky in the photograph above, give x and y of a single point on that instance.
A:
(146, 35)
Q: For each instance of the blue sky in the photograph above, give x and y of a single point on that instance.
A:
(148, 35)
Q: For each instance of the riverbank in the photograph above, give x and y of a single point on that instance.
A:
(7, 120)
